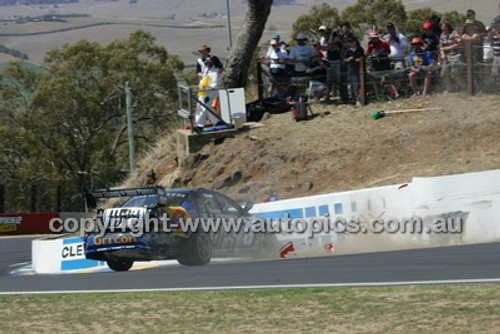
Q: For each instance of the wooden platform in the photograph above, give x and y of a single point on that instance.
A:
(188, 142)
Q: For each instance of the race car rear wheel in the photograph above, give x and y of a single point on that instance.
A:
(196, 250)
(120, 265)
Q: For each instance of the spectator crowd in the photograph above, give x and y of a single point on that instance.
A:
(336, 64)
(391, 60)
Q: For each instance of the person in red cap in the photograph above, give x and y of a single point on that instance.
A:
(420, 62)
(379, 51)
(430, 39)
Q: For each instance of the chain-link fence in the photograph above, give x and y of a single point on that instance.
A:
(470, 69)
(41, 196)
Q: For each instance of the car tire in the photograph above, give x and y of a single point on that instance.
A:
(120, 265)
(196, 250)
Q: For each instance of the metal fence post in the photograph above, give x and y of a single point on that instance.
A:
(192, 113)
(362, 83)
(33, 198)
(130, 127)
(470, 67)
(2, 198)
(58, 198)
(260, 82)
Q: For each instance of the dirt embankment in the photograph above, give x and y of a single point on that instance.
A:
(341, 149)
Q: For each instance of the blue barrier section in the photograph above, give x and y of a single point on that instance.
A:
(337, 208)
(309, 212)
(354, 207)
(323, 210)
(73, 256)
(80, 264)
(291, 213)
(74, 240)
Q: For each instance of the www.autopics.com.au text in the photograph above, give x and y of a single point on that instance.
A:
(307, 226)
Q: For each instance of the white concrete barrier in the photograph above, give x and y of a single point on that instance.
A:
(65, 255)
(473, 199)
(475, 195)
(61, 255)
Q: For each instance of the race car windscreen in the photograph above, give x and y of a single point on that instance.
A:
(150, 201)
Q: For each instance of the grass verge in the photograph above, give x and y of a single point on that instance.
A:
(429, 309)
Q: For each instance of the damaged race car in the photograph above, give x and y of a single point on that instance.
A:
(190, 225)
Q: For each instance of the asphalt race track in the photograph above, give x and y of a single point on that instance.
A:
(476, 262)
(14, 250)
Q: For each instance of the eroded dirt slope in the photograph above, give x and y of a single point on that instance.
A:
(341, 149)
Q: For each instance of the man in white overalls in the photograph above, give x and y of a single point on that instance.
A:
(207, 93)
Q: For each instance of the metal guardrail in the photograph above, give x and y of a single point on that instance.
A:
(188, 95)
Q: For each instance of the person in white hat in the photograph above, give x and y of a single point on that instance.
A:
(301, 55)
(282, 45)
(277, 62)
(323, 37)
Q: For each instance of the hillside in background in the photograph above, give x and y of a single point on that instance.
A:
(340, 149)
(180, 41)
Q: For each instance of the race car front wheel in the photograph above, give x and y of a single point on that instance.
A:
(120, 265)
(196, 250)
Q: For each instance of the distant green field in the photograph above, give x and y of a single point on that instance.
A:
(35, 39)
(31, 27)
(430, 309)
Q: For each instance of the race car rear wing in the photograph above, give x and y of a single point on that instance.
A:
(127, 192)
(162, 195)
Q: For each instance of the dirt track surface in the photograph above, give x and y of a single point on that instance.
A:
(341, 149)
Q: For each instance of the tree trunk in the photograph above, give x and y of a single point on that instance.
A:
(240, 56)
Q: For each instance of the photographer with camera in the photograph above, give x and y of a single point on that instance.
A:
(398, 43)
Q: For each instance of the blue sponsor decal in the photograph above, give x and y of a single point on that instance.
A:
(72, 240)
(112, 242)
(354, 206)
(73, 255)
(290, 213)
(323, 210)
(337, 208)
(80, 264)
(311, 212)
